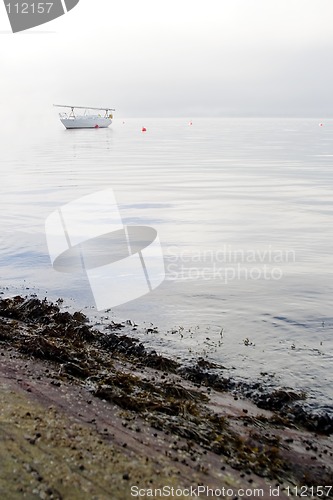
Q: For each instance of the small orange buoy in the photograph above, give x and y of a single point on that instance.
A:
(321, 124)
(143, 129)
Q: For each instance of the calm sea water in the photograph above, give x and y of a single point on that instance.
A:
(243, 209)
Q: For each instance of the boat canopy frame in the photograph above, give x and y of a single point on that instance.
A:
(72, 114)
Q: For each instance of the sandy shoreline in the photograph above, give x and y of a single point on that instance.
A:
(88, 416)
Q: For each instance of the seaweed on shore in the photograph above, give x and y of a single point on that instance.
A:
(104, 364)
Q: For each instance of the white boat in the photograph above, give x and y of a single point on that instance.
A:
(86, 119)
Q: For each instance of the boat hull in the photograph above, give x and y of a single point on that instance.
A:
(86, 122)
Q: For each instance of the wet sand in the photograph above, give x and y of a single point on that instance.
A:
(88, 416)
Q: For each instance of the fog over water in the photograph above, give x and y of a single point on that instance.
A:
(188, 58)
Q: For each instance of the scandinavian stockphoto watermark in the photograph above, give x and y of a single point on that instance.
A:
(228, 263)
(125, 262)
(204, 491)
(25, 15)
(121, 262)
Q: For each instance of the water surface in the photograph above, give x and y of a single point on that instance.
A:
(243, 209)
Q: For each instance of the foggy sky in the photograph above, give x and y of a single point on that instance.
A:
(177, 58)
